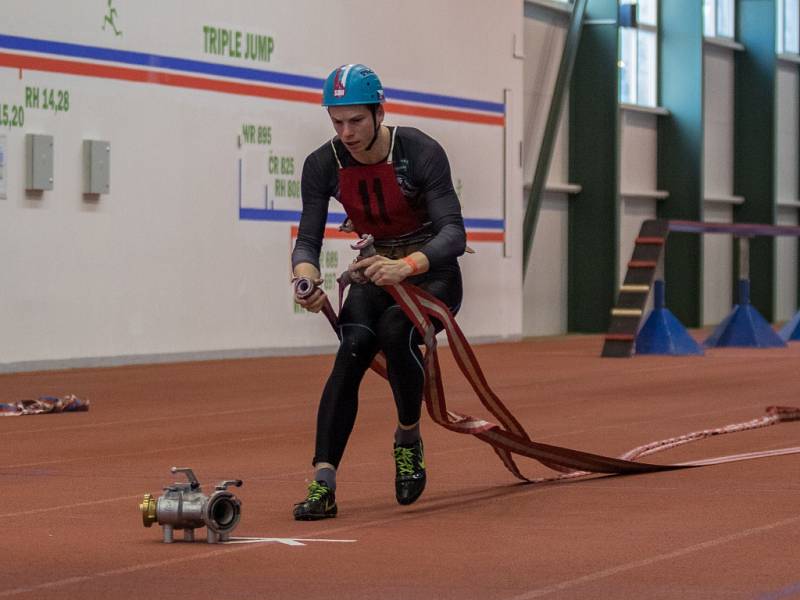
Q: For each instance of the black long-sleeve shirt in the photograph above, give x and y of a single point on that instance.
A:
(423, 173)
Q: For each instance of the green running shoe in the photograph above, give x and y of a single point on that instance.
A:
(409, 481)
(319, 504)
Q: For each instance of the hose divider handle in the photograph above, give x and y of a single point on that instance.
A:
(223, 485)
(303, 287)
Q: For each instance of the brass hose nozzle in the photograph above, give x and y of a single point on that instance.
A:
(148, 508)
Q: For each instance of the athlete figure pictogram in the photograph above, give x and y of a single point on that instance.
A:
(109, 19)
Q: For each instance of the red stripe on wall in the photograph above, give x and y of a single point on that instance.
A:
(442, 113)
(485, 236)
(330, 232)
(472, 236)
(55, 65)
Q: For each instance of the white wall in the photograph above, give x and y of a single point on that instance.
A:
(545, 285)
(786, 250)
(786, 187)
(545, 289)
(718, 252)
(718, 116)
(787, 132)
(638, 180)
(164, 264)
(638, 151)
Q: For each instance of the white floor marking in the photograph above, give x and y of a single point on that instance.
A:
(286, 541)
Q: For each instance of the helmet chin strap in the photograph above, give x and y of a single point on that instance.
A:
(373, 108)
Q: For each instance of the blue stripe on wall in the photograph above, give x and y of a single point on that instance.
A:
(395, 94)
(484, 223)
(293, 216)
(207, 68)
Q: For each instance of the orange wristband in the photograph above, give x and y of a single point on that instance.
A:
(411, 263)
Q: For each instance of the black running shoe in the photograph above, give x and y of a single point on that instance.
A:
(409, 481)
(319, 504)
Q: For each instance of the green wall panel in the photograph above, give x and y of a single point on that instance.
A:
(680, 151)
(754, 139)
(593, 220)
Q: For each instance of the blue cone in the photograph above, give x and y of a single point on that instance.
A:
(663, 333)
(744, 326)
(791, 331)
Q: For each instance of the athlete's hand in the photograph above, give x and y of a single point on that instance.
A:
(381, 270)
(315, 301)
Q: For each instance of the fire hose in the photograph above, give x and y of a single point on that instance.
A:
(509, 437)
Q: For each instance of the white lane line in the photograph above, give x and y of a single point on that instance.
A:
(731, 458)
(552, 436)
(35, 511)
(204, 444)
(381, 522)
(646, 562)
(218, 550)
(129, 422)
(64, 507)
(294, 405)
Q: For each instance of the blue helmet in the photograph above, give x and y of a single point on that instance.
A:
(352, 84)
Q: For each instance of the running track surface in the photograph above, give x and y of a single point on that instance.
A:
(70, 484)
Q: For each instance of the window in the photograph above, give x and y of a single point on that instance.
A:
(719, 18)
(638, 55)
(648, 12)
(788, 26)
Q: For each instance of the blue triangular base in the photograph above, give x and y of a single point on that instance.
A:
(663, 333)
(791, 331)
(744, 327)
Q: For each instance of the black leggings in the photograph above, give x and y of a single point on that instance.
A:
(370, 322)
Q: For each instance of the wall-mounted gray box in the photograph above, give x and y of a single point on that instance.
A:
(38, 162)
(96, 167)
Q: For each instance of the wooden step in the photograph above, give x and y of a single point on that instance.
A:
(642, 264)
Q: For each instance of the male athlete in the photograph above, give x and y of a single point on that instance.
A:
(395, 184)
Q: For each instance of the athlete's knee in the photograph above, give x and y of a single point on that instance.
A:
(393, 329)
(358, 341)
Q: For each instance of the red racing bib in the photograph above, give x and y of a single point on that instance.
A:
(374, 201)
